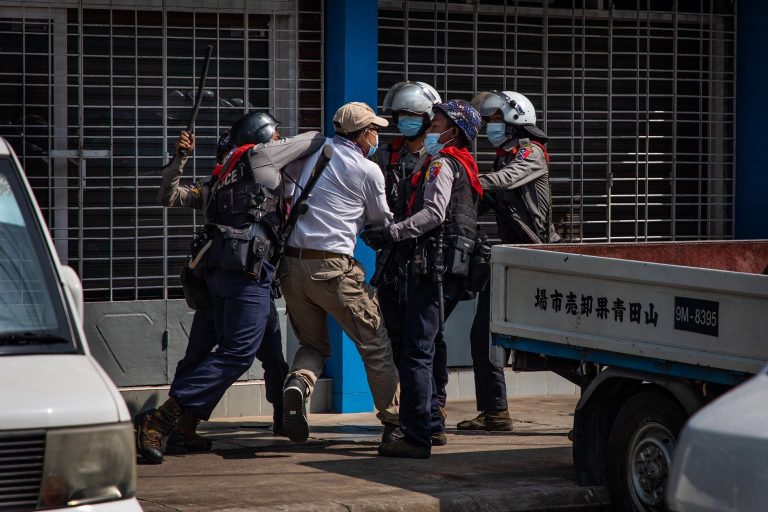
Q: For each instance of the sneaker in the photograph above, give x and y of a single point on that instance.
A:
(391, 432)
(185, 439)
(491, 421)
(152, 427)
(401, 447)
(439, 439)
(295, 424)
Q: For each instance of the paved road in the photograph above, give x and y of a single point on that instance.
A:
(338, 468)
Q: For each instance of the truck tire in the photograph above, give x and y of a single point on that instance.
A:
(640, 449)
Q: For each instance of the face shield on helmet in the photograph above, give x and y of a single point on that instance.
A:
(516, 108)
(415, 99)
(518, 113)
(254, 127)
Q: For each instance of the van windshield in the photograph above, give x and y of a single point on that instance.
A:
(33, 318)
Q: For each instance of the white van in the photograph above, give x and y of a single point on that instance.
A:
(66, 439)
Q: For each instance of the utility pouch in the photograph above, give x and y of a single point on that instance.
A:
(195, 289)
(239, 250)
(201, 244)
(259, 254)
(458, 255)
(193, 273)
(230, 249)
(480, 265)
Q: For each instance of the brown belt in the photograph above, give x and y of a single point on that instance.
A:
(312, 254)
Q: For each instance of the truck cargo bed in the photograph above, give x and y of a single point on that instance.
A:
(695, 309)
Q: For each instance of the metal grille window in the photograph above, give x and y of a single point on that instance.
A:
(93, 99)
(637, 97)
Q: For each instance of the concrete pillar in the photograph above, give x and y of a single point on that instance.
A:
(351, 74)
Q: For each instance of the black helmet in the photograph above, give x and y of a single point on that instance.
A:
(253, 128)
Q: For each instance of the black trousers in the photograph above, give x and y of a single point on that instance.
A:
(490, 385)
(202, 340)
(393, 312)
(419, 409)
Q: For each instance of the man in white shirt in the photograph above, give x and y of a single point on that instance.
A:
(319, 275)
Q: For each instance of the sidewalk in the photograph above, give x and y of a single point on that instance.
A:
(338, 468)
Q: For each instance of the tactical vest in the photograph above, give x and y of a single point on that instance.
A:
(397, 183)
(244, 216)
(238, 200)
(461, 214)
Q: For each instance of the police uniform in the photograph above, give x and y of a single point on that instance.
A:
(398, 164)
(443, 198)
(519, 183)
(245, 209)
(202, 340)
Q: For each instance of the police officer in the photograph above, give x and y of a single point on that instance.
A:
(441, 215)
(517, 189)
(244, 209)
(202, 340)
(411, 106)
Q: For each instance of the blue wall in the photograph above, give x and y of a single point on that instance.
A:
(752, 119)
(351, 74)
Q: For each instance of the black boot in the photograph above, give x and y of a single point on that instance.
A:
(185, 439)
(152, 427)
(401, 447)
(391, 432)
(492, 421)
(295, 424)
(439, 439)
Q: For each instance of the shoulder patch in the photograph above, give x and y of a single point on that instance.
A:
(524, 152)
(433, 171)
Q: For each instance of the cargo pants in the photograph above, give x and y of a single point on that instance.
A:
(316, 288)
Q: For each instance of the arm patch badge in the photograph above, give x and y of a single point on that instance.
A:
(524, 153)
(433, 171)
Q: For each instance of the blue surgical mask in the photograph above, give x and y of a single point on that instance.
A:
(373, 148)
(497, 133)
(409, 126)
(432, 145)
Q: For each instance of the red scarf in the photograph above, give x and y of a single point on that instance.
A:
(233, 159)
(394, 150)
(467, 161)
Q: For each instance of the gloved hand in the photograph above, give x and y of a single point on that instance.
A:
(377, 238)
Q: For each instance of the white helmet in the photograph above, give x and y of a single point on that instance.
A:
(516, 108)
(415, 97)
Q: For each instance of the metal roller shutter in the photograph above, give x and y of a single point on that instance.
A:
(92, 98)
(637, 97)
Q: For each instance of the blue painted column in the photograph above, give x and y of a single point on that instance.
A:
(751, 120)
(351, 74)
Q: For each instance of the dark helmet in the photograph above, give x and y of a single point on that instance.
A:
(253, 128)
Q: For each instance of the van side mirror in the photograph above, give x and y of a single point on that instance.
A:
(75, 289)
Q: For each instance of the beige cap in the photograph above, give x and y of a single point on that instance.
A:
(356, 116)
